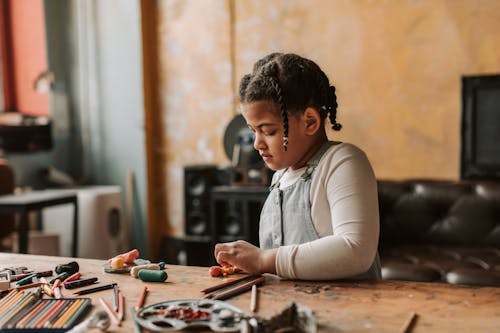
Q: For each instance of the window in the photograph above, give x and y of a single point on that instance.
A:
(23, 55)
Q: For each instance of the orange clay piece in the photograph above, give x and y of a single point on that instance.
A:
(124, 258)
(215, 271)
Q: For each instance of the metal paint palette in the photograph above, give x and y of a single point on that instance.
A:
(175, 315)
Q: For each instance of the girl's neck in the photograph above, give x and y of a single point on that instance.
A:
(309, 152)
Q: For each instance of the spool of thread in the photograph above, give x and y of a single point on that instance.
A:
(134, 271)
(148, 275)
(70, 268)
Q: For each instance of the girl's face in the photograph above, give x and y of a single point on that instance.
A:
(264, 119)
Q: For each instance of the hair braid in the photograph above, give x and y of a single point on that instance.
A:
(332, 109)
(284, 114)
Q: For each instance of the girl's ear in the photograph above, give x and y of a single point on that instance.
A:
(312, 121)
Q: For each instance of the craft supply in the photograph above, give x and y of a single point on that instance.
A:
(148, 275)
(95, 289)
(112, 315)
(70, 268)
(253, 299)
(38, 274)
(236, 288)
(410, 323)
(80, 283)
(16, 306)
(115, 293)
(228, 282)
(121, 306)
(47, 290)
(60, 276)
(57, 292)
(4, 280)
(28, 286)
(73, 277)
(27, 280)
(134, 271)
(142, 298)
(57, 283)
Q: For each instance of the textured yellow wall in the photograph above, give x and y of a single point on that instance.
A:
(397, 66)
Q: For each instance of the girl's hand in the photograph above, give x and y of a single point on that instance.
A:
(246, 257)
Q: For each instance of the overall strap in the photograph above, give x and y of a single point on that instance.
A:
(314, 160)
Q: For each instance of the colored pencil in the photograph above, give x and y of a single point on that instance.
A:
(228, 285)
(238, 290)
(115, 293)
(30, 315)
(61, 309)
(28, 286)
(110, 312)
(253, 299)
(121, 306)
(18, 277)
(225, 284)
(409, 324)
(12, 304)
(142, 298)
(16, 308)
(57, 292)
(42, 314)
(95, 289)
(77, 313)
(235, 289)
(63, 319)
(8, 299)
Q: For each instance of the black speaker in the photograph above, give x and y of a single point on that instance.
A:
(199, 251)
(191, 251)
(198, 182)
(236, 212)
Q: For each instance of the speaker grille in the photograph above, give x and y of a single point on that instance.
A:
(198, 181)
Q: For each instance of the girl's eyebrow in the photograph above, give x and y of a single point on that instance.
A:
(262, 125)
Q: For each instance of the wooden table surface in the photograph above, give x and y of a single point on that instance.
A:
(338, 306)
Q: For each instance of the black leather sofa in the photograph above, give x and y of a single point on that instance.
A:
(440, 231)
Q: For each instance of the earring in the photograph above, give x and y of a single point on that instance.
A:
(285, 142)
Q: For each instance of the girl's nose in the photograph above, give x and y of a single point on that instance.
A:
(258, 143)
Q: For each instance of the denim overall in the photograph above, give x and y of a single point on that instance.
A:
(291, 204)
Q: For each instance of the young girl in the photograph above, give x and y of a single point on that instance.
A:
(320, 220)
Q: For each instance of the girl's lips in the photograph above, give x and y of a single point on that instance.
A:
(266, 157)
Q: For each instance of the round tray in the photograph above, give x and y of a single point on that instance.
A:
(175, 315)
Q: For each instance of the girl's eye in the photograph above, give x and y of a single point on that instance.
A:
(269, 133)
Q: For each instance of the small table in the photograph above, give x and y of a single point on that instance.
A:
(36, 200)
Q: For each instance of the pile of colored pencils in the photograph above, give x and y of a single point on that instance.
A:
(21, 310)
(232, 288)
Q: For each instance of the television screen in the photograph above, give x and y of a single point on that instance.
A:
(480, 151)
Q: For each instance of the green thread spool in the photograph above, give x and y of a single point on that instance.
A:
(149, 275)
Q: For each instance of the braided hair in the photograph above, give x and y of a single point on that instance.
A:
(293, 83)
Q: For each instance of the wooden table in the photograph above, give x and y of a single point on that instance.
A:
(338, 306)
